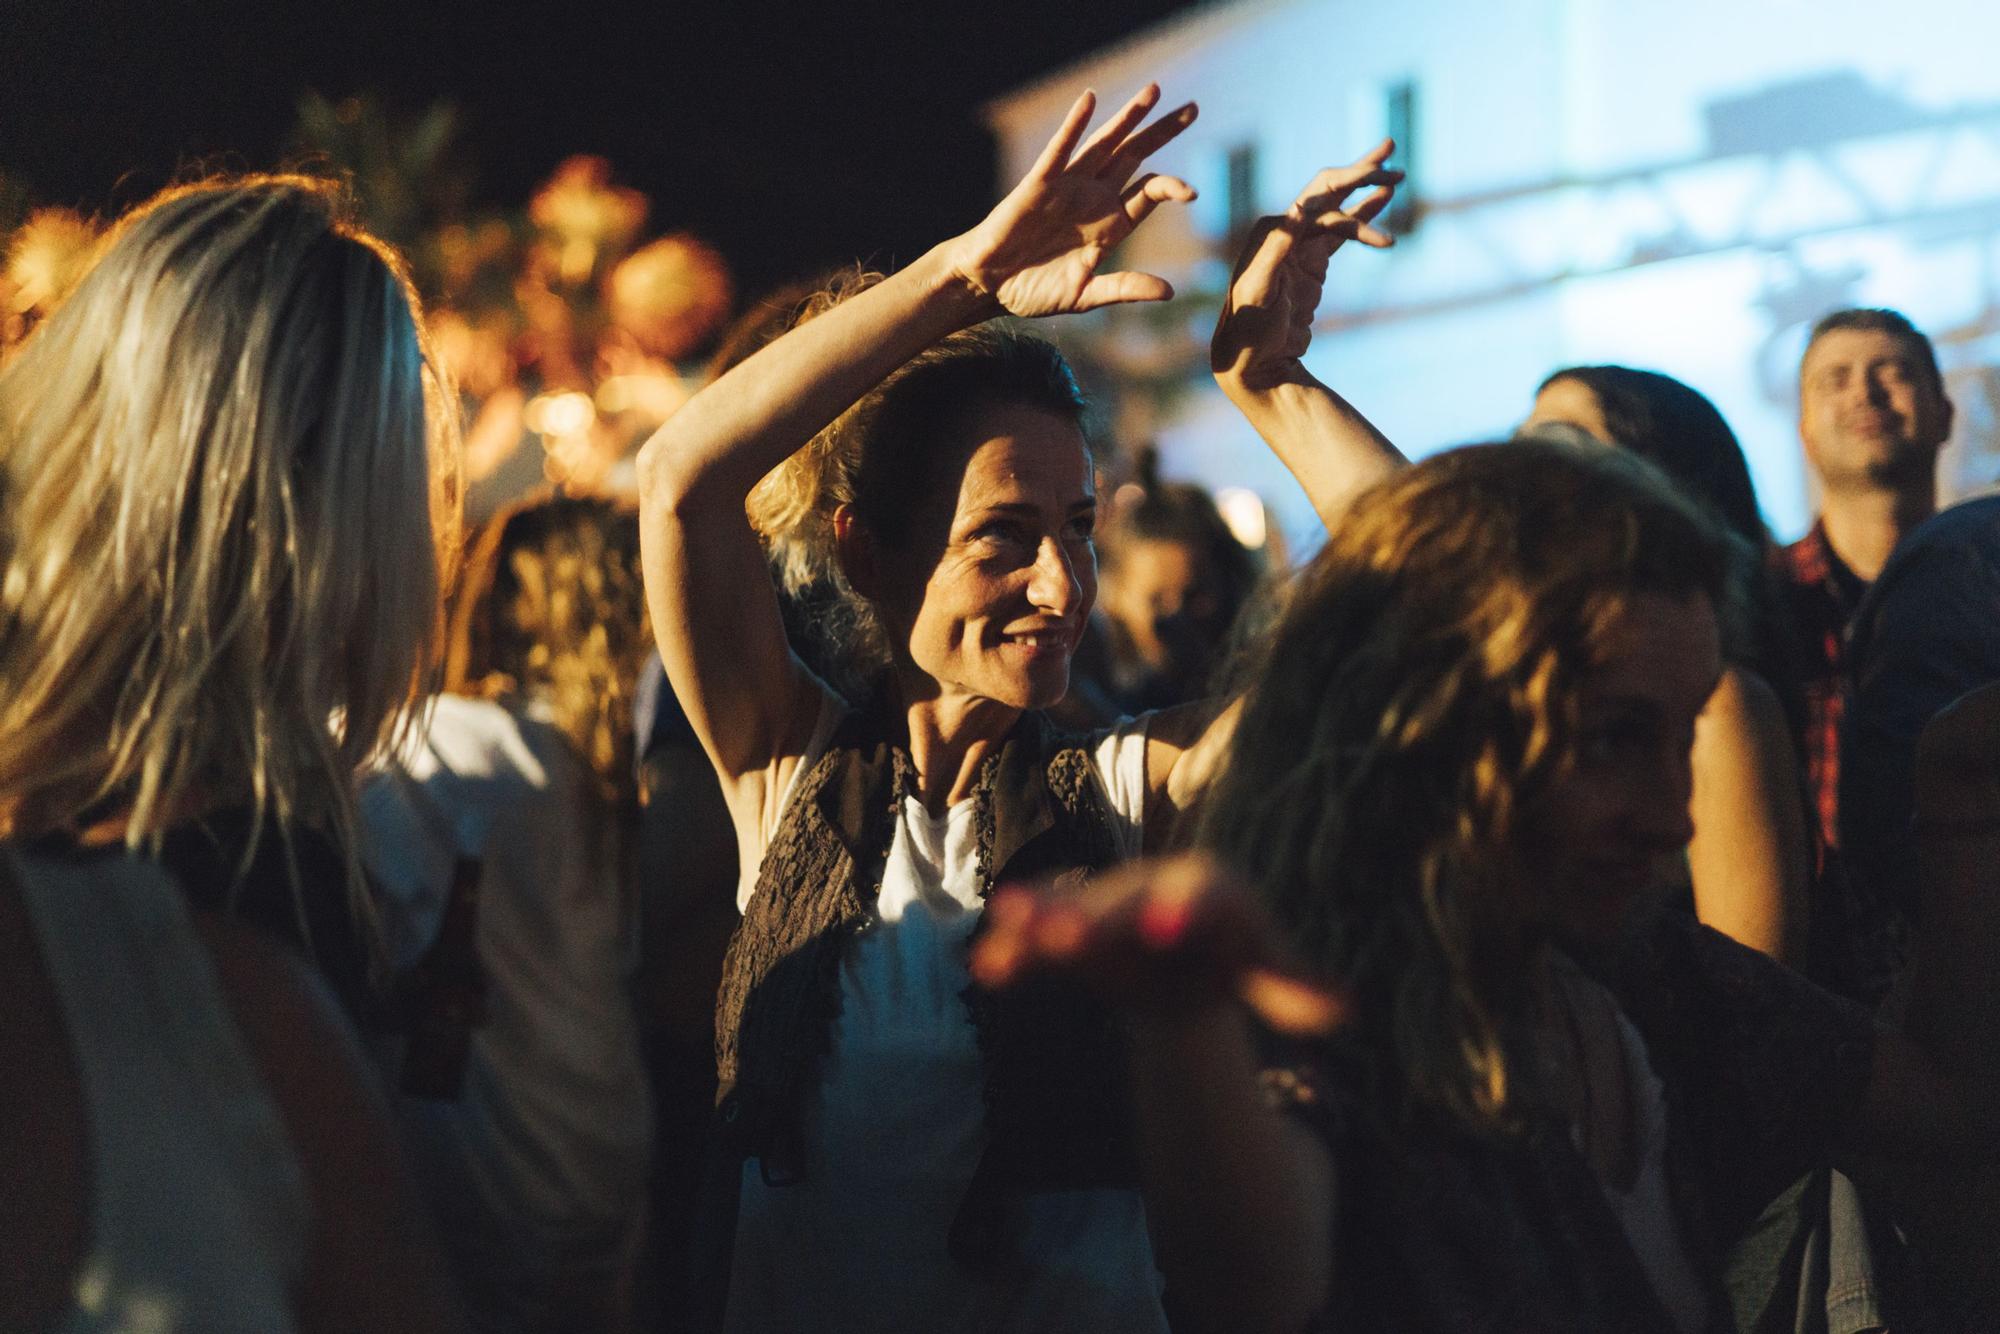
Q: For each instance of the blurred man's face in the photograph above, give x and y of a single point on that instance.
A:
(1871, 415)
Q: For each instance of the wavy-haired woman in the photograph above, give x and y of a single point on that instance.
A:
(223, 483)
(925, 1156)
(530, 1129)
(1534, 1101)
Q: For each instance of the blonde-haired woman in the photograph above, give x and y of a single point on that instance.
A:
(222, 482)
(224, 589)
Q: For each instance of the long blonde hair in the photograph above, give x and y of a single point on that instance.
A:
(1418, 696)
(229, 465)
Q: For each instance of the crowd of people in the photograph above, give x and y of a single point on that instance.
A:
(806, 901)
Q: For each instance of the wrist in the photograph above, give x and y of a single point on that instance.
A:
(1265, 386)
(953, 282)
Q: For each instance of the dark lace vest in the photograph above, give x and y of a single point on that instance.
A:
(1057, 1108)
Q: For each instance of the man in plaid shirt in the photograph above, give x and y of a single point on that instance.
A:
(1872, 416)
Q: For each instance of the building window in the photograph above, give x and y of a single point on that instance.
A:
(1399, 115)
(1243, 209)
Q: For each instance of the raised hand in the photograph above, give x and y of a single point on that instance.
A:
(1266, 322)
(1174, 935)
(1038, 251)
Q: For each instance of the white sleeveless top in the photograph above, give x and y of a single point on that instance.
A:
(896, 1123)
(198, 1208)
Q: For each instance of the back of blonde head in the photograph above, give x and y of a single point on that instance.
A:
(225, 463)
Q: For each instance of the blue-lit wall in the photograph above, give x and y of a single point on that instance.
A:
(1682, 186)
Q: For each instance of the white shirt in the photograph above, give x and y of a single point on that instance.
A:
(1645, 1209)
(539, 1169)
(896, 1123)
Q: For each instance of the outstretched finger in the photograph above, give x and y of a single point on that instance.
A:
(1142, 145)
(1105, 141)
(1331, 187)
(1056, 155)
(1340, 226)
(1367, 211)
(1116, 289)
(1270, 242)
(1150, 191)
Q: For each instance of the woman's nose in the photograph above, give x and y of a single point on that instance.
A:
(1055, 587)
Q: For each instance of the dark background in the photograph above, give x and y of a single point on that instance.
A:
(790, 136)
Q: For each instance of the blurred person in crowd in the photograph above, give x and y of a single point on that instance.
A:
(1873, 414)
(1749, 863)
(227, 484)
(1757, 867)
(1174, 579)
(915, 1152)
(502, 843)
(39, 263)
(1927, 631)
(224, 587)
(1501, 1087)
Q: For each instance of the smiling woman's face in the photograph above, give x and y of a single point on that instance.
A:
(1601, 837)
(990, 594)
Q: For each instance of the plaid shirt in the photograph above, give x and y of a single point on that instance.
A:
(1820, 595)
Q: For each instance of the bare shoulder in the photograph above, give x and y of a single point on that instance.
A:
(1746, 708)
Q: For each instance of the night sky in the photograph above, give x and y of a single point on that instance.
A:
(791, 136)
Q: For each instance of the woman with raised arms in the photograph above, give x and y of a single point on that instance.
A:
(916, 1152)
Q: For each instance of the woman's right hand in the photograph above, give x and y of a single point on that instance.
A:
(1037, 252)
(1165, 938)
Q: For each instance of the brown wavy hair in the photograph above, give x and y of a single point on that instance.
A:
(552, 606)
(886, 451)
(1418, 697)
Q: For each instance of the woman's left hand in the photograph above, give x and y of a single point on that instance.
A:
(1172, 937)
(1037, 252)
(1267, 317)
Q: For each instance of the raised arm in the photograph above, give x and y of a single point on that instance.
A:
(1266, 326)
(1329, 447)
(1748, 858)
(716, 616)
